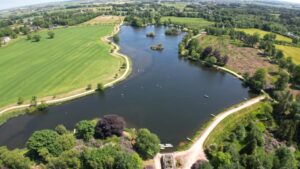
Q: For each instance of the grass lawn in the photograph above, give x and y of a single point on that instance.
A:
(263, 33)
(75, 58)
(241, 59)
(293, 52)
(188, 22)
(177, 5)
(224, 128)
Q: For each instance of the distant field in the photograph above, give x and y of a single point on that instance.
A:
(188, 22)
(293, 52)
(241, 59)
(263, 33)
(178, 5)
(105, 20)
(75, 58)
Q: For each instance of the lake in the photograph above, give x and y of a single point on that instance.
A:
(164, 93)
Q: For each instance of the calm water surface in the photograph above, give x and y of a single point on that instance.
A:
(164, 93)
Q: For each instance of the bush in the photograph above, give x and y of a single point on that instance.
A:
(111, 157)
(41, 141)
(147, 144)
(61, 129)
(36, 38)
(51, 34)
(68, 159)
(85, 130)
(13, 159)
(110, 125)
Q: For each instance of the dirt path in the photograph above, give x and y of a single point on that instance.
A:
(78, 95)
(196, 151)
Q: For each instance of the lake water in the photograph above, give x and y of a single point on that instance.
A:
(164, 93)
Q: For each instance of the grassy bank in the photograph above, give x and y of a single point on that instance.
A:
(75, 58)
(263, 33)
(230, 122)
(188, 22)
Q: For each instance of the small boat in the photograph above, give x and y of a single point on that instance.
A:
(206, 96)
(189, 139)
(213, 115)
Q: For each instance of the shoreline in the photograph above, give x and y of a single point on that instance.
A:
(50, 100)
(196, 150)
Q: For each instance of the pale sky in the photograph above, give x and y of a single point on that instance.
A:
(5, 4)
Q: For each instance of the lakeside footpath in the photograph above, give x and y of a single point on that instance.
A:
(196, 151)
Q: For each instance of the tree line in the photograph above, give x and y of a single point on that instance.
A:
(93, 144)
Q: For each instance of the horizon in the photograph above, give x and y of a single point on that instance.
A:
(21, 3)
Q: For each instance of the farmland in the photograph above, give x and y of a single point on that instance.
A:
(263, 33)
(290, 51)
(188, 22)
(75, 58)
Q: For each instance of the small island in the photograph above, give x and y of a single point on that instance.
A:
(172, 32)
(150, 35)
(158, 47)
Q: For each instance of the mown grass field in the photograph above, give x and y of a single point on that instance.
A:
(290, 51)
(75, 58)
(188, 22)
(263, 33)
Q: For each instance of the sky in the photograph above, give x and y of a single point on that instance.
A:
(5, 4)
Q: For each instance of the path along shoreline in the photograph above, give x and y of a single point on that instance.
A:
(115, 52)
(196, 151)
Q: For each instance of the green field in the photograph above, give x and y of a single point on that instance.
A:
(178, 5)
(75, 58)
(263, 33)
(188, 22)
(290, 51)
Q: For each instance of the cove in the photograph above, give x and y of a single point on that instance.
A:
(164, 93)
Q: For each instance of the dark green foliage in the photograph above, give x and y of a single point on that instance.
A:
(85, 130)
(61, 129)
(135, 21)
(172, 32)
(68, 159)
(41, 141)
(282, 81)
(147, 144)
(258, 81)
(51, 34)
(111, 158)
(116, 38)
(110, 125)
(202, 165)
(13, 159)
(36, 38)
(285, 159)
(240, 132)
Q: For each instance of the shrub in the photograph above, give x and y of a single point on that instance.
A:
(85, 130)
(147, 144)
(110, 125)
(13, 159)
(41, 141)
